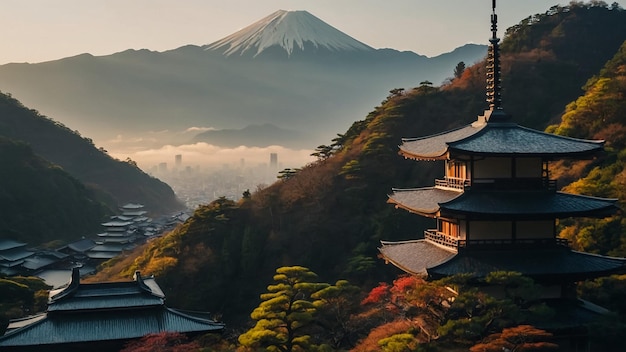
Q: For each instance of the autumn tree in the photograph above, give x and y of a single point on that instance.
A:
(336, 305)
(459, 69)
(286, 310)
(162, 342)
(519, 338)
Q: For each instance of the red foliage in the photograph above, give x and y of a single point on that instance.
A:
(403, 284)
(378, 294)
(370, 343)
(161, 342)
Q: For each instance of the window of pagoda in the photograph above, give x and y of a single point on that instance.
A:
(457, 173)
(448, 227)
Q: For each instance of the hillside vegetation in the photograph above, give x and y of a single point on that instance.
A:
(113, 181)
(330, 215)
(40, 202)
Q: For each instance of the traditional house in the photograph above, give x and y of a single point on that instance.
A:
(12, 255)
(496, 207)
(102, 317)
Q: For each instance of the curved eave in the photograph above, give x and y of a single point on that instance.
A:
(529, 204)
(547, 264)
(435, 147)
(414, 257)
(422, 201)
(507, 139)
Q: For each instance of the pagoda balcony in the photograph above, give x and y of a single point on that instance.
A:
(519, 183)
(454, 183)
(457, 244)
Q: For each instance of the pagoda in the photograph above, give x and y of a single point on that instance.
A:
(496, 209)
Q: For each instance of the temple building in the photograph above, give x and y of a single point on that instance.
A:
(496, 209)
(102, 317)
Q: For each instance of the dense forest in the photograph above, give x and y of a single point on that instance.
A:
(311, 238)
(112, 182)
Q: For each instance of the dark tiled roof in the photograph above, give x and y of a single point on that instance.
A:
(424, 201)
(15, 254)
(102, 255)
(496, 139)
(103, 312)
(82, 245)
(414, 257)
(512, 139)
(10, 244)
(529, 203)
(105, 326)
(537, 263)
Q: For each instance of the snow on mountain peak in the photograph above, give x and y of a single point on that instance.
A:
(288, 30)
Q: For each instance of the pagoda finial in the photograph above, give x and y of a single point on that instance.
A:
(493, 64)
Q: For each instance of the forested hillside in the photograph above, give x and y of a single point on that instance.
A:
(330, 215)
(40, 202)
(114, 182)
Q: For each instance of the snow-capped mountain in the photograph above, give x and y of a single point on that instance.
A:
(290, 31)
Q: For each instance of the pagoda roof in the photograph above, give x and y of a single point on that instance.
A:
(424, 201)
(415, 256)
(422, 256)
(560, 261)
(529, 203)
(429, 201)
(497, 139)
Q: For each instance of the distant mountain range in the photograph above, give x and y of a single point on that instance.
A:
(289, 69)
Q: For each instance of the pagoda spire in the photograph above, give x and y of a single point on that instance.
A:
(494, 87)
(493, 64)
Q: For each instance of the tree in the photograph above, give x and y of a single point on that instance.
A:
(162, 342)
(459, 69)
(336, 304)
(518, 338)
(285, 312)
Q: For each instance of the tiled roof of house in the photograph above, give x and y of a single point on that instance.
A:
(6, 244)
(104, 312)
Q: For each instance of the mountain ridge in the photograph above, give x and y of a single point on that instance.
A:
(138, 91)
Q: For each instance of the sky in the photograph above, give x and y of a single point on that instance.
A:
(43, 30)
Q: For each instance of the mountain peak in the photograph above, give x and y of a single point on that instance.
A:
(289, 30)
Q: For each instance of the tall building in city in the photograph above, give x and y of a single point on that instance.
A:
(178, 160)
(273, 161)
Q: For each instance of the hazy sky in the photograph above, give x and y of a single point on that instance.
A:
(42, 30)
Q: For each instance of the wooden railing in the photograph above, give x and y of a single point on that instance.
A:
(453, 182)
(537, 183)
(441, 238)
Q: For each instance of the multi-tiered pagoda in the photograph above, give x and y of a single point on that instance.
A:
(496, 207)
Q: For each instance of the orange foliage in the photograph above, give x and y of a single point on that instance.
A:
(519, 338)
(378, 294)
(370, 343)
(162, 342)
